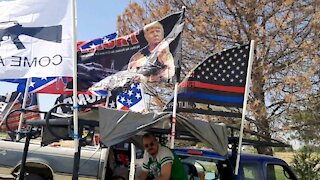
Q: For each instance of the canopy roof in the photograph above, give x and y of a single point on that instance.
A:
(117, 126)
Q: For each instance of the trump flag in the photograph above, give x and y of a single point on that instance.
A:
(153, 60)
(216, 86)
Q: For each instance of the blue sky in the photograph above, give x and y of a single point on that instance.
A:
(95, 18)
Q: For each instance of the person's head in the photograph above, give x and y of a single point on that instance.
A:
(153, 33)
(150, 144)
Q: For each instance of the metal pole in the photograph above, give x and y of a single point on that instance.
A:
(25, 98)
(251, 53)
(174, 115)
(24, 155)
(77, 148)
(175, 96)
(132, 163)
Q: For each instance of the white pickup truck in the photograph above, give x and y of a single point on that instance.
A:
(50, 162)
(56, 163)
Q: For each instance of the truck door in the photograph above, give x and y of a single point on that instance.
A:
(279, 172)
(251, 171)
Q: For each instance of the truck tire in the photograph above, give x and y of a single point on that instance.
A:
(32, 176)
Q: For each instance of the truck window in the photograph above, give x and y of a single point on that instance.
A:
(250, 171)
(279, 172)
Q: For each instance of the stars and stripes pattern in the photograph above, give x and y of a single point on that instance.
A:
(49, 85)
(217, 85)
(131, 99)
(14, 118)
(58, 85)
(95, 44)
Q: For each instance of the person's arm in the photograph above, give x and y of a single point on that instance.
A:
(144, 167)
(165, 57)
(143, 175)
(165, 172)
(136, 61)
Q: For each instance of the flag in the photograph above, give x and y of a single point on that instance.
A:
(6, 104)
(139, 55)
(82, 99)
(49, 85)
(93, 45)
(131, 99)
(14, 118)
(88, 74)
(35, 38)
(216, 86)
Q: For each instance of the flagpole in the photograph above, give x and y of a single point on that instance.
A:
(24, 102)
(175, 95)
(107, 99)
(251, 54)
(8, 111)
(146, 109)
(76, 159)
(174, 115)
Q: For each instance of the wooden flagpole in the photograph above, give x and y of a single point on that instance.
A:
(251, 54)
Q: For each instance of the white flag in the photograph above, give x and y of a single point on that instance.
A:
(35, 38)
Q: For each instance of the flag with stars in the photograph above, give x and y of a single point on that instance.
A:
(95, 44)
(216, 86)
(14, 118)
(88, 74)
(131, 99)
(50, 85)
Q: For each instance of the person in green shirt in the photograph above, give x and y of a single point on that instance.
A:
(159, 162)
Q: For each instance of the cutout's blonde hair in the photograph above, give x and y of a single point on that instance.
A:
(155, 24)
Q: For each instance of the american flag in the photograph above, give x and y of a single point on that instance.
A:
(217, 85)
(14, 118)
(131, 99)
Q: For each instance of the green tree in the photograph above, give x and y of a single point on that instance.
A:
(306, 164)
(286, 63)
(305, 121)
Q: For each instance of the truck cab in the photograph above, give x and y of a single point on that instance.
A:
(201, 163)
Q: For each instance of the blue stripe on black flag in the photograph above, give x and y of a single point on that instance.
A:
(226, 101)
(212, 97)
(208, 112)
